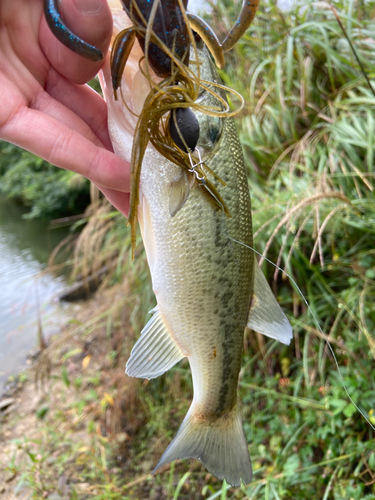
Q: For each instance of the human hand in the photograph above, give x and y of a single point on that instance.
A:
(44, 107)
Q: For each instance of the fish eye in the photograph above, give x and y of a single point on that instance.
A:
(189, 129)
(214, 131)
(210, 128)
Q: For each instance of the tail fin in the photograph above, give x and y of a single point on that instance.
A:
(220, 446)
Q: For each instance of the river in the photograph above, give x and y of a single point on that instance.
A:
(25, 246)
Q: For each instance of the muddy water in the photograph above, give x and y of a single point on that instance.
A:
(25, 289)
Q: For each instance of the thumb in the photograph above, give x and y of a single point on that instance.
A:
(90, 20)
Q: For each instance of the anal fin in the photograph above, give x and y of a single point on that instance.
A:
(266, 316)
(155, 351)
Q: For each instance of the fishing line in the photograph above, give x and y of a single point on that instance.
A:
(304, 299)
(316, 322)
(311, 312)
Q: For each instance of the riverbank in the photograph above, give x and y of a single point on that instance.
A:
(28, 288)
(61, 393)
(308, 141)
(72, 425)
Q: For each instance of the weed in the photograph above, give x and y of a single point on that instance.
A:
(308, 137)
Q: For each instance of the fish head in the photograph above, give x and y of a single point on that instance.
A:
(123, 113)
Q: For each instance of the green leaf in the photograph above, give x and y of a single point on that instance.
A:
(350, 410)
(65, 377)
(291, 465)
(71, 353)
(338, 404)
(42, 412)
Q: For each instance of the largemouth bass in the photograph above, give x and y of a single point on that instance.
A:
(206, 280)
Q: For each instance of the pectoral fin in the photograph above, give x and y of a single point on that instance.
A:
(180, 189)
(155, 351)
(266, 316)
(147, 231)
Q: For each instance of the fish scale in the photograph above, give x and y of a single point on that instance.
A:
(204, 282)
(206, 272)
(208, 285)
(203, 295)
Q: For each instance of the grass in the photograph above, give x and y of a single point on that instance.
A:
(308, 137)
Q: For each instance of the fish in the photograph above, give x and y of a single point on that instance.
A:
(207, 282)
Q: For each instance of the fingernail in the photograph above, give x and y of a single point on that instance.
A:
(89, 7)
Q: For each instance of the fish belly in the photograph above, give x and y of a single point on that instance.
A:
(202, 270)
(203, 279)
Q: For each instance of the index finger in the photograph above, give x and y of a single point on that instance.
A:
(58, 143)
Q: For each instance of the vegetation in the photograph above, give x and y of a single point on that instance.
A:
(308, 134)
(48, 191)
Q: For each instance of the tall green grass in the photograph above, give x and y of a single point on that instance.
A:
(308, 133)
(308, 136)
